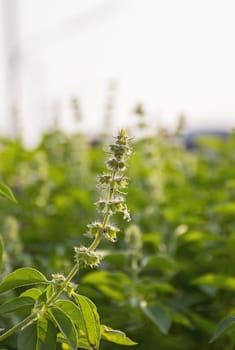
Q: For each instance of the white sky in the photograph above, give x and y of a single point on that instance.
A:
(174, 55)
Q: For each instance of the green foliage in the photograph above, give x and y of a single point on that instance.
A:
(40, 335)
(76, 323)
(169, 278)
(22, 277)
(1, 252)
(15, 304)
(115, 336)
(90, 320)
(159, 315)
(222, 327)
(6, 192)
(65, 324)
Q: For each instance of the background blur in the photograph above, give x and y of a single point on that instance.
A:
(174, 56)
(72, 68)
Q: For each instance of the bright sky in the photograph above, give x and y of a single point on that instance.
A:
(174, 55)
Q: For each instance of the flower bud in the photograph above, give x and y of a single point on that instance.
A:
(110, 233)
(121, 181)
(58, 278)
(112, 164)
(118, 151)
(116, 205)
(94, 228)
(105, 179)
(101, 205)
(122, 138)
(126, 214)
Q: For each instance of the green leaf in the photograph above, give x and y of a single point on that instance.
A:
(181, 319)
(42, 299)
(49, 291)
(159, 261)
(206, 325)
(158, 314)
(40, 335)
(46, 335)
(218, 281)
(65, 325)
(152, 238)
(148, 285)
(117, 259)
(1, 252)
(15, 304)
(115, 336)
(91, 319)
(82, 341)
(74, 312)
(198, 236)
(33, 293)
(27, 338)
(223, 325)
(22, 277)
(114, 278)
(226, 208)
(111, 284)
(6, 192)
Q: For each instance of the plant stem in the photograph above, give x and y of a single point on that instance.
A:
(107, 215)
(19, 325)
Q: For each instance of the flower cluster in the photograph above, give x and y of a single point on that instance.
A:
(85, 257)
(59, 280)
(112, 185)
(120, 150)
(97, 229)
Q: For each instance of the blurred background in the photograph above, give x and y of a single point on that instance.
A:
(72, 72)
(174, 56)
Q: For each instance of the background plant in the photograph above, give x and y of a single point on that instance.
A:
(183, 205)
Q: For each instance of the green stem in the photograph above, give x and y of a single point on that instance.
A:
(107, 215)
(19, 325)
